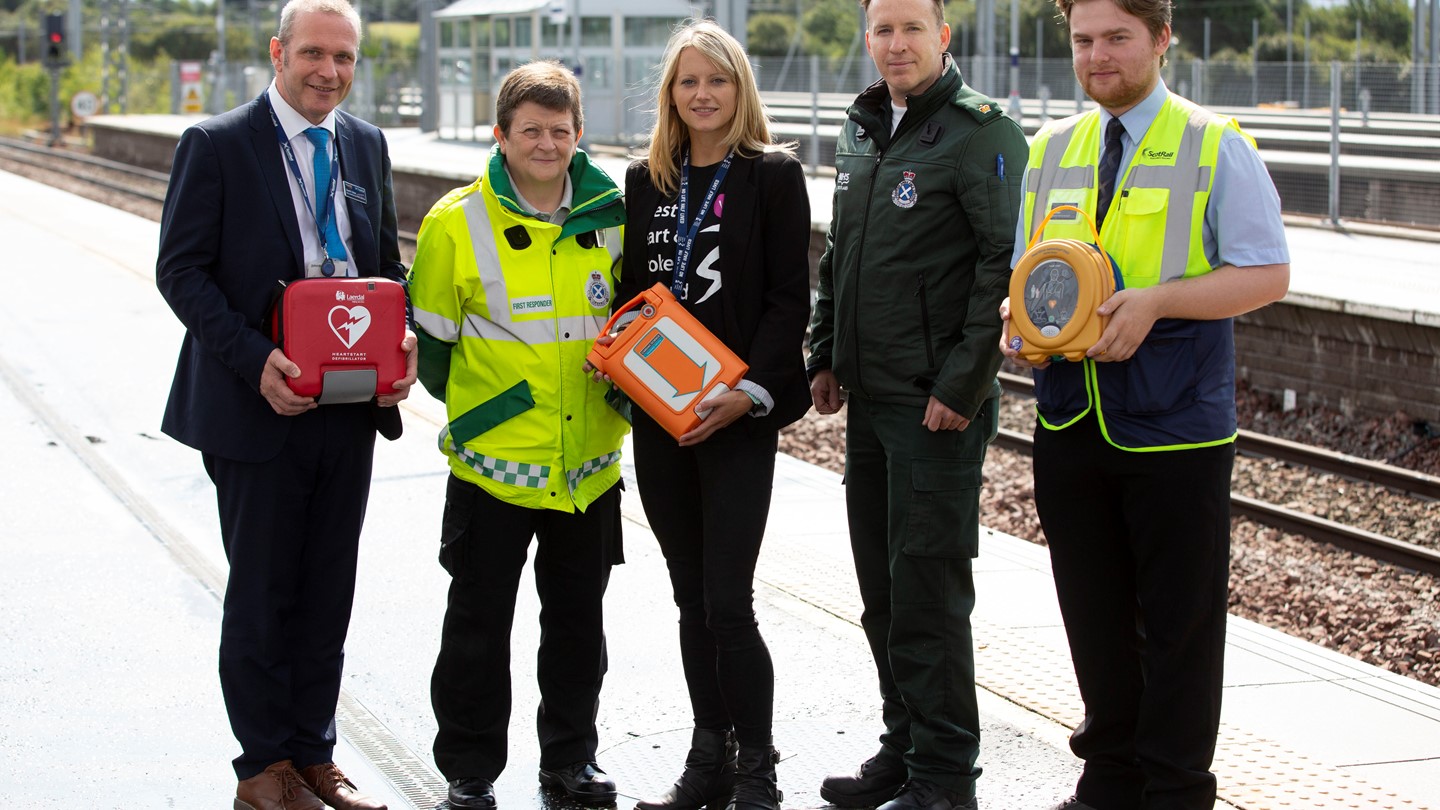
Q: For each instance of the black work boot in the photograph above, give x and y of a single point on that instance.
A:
(875, 782)
(755, 787)
(709, 776)
(922, 794)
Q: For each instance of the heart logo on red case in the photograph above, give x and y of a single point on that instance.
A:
(349, 324)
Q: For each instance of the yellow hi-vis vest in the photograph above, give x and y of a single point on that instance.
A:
(1177, 392)
(522, 301)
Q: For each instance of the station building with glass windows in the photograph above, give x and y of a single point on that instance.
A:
(615, 50)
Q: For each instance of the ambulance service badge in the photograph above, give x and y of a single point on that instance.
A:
(597, 291)
(905, 195)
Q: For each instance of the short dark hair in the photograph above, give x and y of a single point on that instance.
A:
(939, 9)
(547, 83)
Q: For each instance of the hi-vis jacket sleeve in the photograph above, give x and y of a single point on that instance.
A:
(439, 288)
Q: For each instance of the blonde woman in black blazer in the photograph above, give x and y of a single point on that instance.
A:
(743, 271)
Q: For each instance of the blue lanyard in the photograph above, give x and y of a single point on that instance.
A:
(685, 237)
(323, 216)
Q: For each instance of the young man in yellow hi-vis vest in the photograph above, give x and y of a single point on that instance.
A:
(1135, 442)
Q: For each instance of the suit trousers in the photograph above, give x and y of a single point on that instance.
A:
(708, 506)
(291, 530)
(913, 500)
(484, 545)
(1140, 547)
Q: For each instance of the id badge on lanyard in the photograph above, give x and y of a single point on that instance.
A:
(324, 266)
(685, 236)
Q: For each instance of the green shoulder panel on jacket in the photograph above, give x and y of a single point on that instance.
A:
(980, 106)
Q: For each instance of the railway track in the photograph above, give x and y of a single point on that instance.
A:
(104, 177)
(92, 171)
(111, 181)
(1354, 539)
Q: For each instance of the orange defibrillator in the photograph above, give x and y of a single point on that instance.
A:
(1054, 291)
(666, 361)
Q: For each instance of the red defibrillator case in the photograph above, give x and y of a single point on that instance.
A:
(666, 361)
(344, 334)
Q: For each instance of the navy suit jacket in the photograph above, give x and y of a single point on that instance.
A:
(228, 237)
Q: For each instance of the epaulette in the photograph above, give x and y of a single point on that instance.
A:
(982, 108)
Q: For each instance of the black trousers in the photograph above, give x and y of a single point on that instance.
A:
(291, 529)
(484, 544)
(1140, 546)
(708, 505)
(913, 500)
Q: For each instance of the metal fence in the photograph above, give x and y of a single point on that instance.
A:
(1380, 87)
(1343, 141)
(385, 92)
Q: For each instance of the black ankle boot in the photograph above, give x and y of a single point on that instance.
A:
(755, 787)
(709, 776)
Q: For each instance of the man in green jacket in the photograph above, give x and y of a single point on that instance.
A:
(927, 190)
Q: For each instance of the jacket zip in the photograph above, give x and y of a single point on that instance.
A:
(859, 274)
(925, 318)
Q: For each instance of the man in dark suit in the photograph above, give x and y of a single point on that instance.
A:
(292, 478)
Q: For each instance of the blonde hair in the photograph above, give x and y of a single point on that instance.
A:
(749, 130)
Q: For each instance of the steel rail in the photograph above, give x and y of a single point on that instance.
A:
(44, 159)
(1256, 444)
(1360, 541)
(51, 155)
(89, 160)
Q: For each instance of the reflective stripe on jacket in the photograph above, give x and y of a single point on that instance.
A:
(519, 302)
(1178, 390)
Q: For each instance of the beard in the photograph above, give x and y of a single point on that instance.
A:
(1121, 93)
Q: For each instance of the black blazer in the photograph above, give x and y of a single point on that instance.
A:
(228, 236)
(765, 259)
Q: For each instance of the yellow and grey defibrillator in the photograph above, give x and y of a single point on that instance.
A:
(1054, 291)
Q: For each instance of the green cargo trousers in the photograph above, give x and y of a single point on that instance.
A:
(913, 501)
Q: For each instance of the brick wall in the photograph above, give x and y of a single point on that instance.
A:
(1357, 364)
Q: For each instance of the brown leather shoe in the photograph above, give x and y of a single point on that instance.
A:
(278, 787)
(333, 788)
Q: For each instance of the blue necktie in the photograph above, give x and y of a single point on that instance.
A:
(1109, 168)
(320, 138)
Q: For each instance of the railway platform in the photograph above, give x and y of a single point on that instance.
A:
(111, 570)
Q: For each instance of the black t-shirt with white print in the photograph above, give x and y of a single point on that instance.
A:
(701, 295)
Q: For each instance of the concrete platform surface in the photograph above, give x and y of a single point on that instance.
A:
(111, 569)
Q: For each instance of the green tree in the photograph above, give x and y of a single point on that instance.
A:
(1230, 23)
(830, 26)
(770, 34)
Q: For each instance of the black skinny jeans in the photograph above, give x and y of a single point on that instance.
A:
(707, 506)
